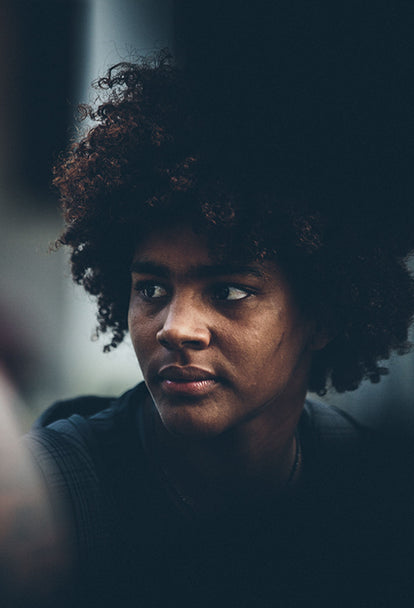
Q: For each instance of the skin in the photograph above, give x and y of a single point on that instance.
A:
(246, 351)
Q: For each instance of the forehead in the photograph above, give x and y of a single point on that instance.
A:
(178, 250)
(180, 240)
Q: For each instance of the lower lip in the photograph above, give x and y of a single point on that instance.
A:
(195, 388)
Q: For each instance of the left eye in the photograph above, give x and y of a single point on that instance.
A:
(230, 292)
(151, 291)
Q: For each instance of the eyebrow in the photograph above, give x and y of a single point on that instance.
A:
(202, 271)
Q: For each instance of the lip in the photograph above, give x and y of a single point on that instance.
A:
(187, 381)
(187, 373)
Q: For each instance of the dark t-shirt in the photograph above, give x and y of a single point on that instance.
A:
(342, 537)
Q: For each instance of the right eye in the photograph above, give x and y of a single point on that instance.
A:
(151, 291)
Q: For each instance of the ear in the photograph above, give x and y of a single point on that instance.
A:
(320, 337)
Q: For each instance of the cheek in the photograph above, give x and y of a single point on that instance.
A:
(252, 350)
(133, 327)
(142, 333)
(263, 339)
(278, 343)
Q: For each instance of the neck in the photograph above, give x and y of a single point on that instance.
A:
(255, 458)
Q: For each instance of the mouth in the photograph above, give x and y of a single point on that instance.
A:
(186, 381)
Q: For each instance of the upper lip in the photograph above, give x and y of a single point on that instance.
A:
(189, 373)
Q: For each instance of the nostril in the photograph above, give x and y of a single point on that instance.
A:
(178, 340)
(182, 332)
(162, 339)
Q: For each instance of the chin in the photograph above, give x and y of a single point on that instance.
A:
(191, 424)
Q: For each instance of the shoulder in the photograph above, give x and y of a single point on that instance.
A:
(76, 444)
(91, 407)
(331, 431)
(76, 433)
(70, 438)
(85, 420)
(328, 428)
(353, 462)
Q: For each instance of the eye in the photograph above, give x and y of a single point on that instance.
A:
(231, 292)
(151, 291)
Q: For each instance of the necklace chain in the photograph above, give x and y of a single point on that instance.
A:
(297, 463)
(188, 502)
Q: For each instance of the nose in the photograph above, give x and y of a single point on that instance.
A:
(185, 326)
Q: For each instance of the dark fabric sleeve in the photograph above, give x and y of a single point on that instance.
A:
(71, 478)
(70, 475)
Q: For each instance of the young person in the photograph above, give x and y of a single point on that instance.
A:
(243, 285)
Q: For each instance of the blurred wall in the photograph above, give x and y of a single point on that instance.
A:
(38, 43)
(116, 31)
(50, 51)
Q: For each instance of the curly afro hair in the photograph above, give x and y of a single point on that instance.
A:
(260, 182)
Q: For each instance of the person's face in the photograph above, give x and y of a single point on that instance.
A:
(217, 344)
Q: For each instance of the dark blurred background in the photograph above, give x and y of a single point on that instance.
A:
(313, 55)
